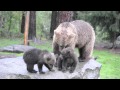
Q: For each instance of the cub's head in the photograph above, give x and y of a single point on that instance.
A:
(50, 59)
(67, 52)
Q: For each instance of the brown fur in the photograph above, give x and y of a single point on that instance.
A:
(73, 34)
(39, 57)
(67, 59)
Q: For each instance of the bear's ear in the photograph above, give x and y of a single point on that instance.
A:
(56, 32)
(72, 35)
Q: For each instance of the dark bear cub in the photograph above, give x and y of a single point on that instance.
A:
(67, 59)
(39, 57)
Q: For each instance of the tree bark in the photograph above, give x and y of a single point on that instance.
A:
(75, 15)
(58, 17)
(32, 26)
(53, 23)
(64, 16)
(26, 28)
(23, 22)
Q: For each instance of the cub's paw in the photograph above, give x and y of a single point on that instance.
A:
(59, 69)
(33, 71)
(64, 70)
(80, 60)
(52, 70)
(71, 71)
(42, 72)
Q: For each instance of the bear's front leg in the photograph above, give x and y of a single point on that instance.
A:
(56, 52)
(40, 68)
(49, 67)
(64, 65)
(81, 55)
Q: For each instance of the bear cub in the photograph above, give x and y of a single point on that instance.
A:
(39, 57)
(67, 60)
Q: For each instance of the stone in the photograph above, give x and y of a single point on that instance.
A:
(15, 68)
(16, 48)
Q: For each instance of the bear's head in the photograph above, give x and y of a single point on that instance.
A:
(64, 37)
(67, 52)
(50, 59)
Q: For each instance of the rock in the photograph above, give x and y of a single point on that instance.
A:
(15, 68)
(90, 70)
(16, 48)
(7, 56)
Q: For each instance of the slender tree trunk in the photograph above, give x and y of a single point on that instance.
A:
(53, 23)
(2, 22)
(75, 15)
(32, 26)
(64, 16)
(23, 22)
(59, 17)
(26, 28)
(9, 27)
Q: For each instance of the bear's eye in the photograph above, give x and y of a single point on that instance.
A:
(62, 46)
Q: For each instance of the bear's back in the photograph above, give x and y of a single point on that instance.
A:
(81, 25)
(85, 32)
(32, 55)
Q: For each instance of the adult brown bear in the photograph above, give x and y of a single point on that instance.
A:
(79, 34)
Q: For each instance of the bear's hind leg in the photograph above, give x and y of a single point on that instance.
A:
(30, 68)
(87, 52)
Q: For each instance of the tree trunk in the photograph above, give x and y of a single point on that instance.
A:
(23, 22)
(75, 15)
(26, 28)
(32, 26)
(9, 27)
(59, 17)
(53, 23)
(64, 16)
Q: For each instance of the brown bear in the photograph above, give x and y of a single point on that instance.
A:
(79, 34)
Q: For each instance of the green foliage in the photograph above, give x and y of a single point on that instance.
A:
(43, 24)
(108, 21)
(12, 24)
